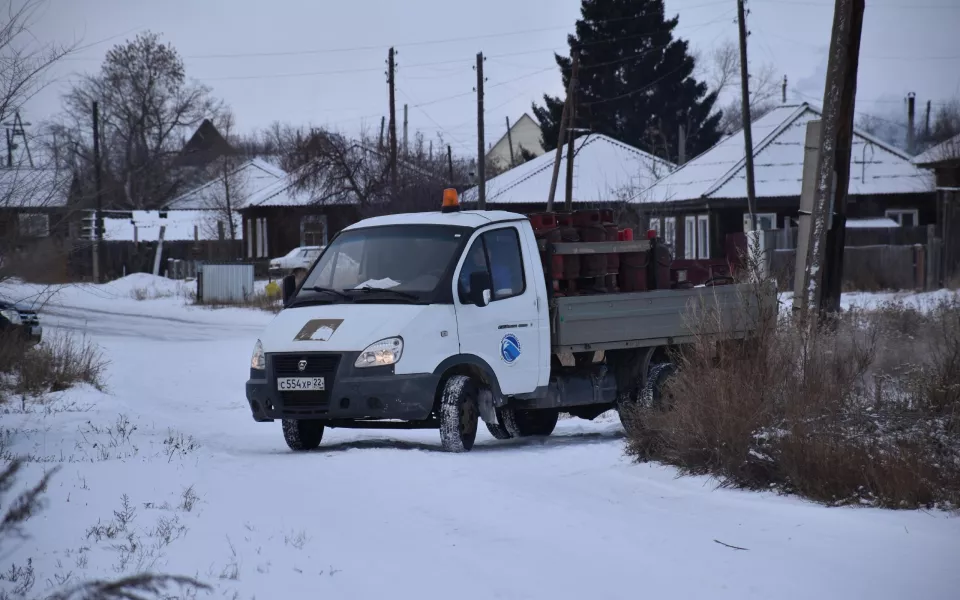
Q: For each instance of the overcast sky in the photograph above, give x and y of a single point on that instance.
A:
(323, 62)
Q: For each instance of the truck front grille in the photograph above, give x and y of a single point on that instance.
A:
(301, 404)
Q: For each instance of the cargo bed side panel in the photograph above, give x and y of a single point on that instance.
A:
(651, 318)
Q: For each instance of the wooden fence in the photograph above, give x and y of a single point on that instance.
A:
(123, 258)
(873, 268)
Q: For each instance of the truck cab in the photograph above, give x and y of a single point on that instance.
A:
(431, 320)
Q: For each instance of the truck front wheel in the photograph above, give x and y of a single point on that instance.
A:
(459, 414)
(302, 435)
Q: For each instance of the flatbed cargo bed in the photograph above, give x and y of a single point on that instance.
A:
(654, 318)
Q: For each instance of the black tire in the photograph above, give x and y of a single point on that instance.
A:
(302, 435)
(499, 431)
(649, 396)
(527, 423)
(459, 414)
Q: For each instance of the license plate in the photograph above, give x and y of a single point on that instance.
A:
(300, 384)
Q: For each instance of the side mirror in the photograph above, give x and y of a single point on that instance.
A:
(480, 286)
(289, 288)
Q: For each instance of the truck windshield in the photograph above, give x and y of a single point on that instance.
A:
(394, 263)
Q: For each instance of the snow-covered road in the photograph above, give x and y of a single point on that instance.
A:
(386, 514)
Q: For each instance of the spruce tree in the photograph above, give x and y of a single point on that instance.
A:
(635, 81)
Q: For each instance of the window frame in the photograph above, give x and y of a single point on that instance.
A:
(768, 215)
(703, 249)
(670, 240)
(690, 237)
(40, 218)
(482, 238)
(897, 215)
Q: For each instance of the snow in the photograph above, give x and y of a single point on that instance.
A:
(604, 170)
(874, 223)
(946, 151)
(144, 225)
(385, 514)
(875, 167)
(249, 179)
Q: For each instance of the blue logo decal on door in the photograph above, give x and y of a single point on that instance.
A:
(509, 348)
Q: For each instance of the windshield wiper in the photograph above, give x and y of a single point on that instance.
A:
(324, 290)
(369, 290)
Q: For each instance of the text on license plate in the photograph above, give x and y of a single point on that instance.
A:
(300, 384)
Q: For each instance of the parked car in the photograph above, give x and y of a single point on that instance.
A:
(22, 322)
(296, 262)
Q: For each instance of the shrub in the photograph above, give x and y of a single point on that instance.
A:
(867, 410)
(58, 363)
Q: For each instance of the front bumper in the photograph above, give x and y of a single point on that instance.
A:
(353, 394)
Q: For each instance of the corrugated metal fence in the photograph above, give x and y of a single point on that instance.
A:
(224, 283)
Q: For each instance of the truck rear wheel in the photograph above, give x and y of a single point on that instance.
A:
(650, 396)
(526, 423)
(459, 414)
(302, 435)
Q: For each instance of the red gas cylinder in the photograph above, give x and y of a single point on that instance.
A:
(591, 229)
(568, 233)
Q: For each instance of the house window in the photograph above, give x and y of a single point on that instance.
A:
(655, 226)
(905, 217)
(670, 231)
(313, 230)
(765, 221)
(690, 238)
(703, 236)
(33, 225)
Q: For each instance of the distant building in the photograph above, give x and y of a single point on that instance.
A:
(944, 160)
(704, 201)
(525, 135)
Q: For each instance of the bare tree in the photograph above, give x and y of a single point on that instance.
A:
(147, 107)
(720, 68)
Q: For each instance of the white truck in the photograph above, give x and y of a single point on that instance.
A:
(440, 320)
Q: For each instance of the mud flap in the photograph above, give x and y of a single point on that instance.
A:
(488, 411)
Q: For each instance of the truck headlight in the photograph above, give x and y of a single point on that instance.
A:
(12, 315)
(380, 354)
(258, 361)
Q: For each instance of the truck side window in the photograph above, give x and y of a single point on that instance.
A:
(476, 262)
(506, 262)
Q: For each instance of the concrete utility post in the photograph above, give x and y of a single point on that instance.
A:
(747, 127)
(824, 265)
(391, 66)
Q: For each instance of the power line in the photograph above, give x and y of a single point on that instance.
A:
(872, 5)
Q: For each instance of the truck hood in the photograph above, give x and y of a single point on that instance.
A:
(336, 327)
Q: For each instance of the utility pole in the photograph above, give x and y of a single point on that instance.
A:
(911, 129)
(406, 149)
(380, 139)
(98, 182)
(571, 129)
(564, 124)
(513, 160)
(747, 127)
(783, 91)
(450, 164)
(682, 145)
(393, 122)
(824, 267)
(926, 122)
(481, 162)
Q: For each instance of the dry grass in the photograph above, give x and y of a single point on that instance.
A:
(866, 412)
(259, 300)
(61, 361)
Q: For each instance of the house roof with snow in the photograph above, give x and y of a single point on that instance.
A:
(604, 170)
(877, 168)
(180, 225)
(248, 180)
(27, 188)
(948, 151)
